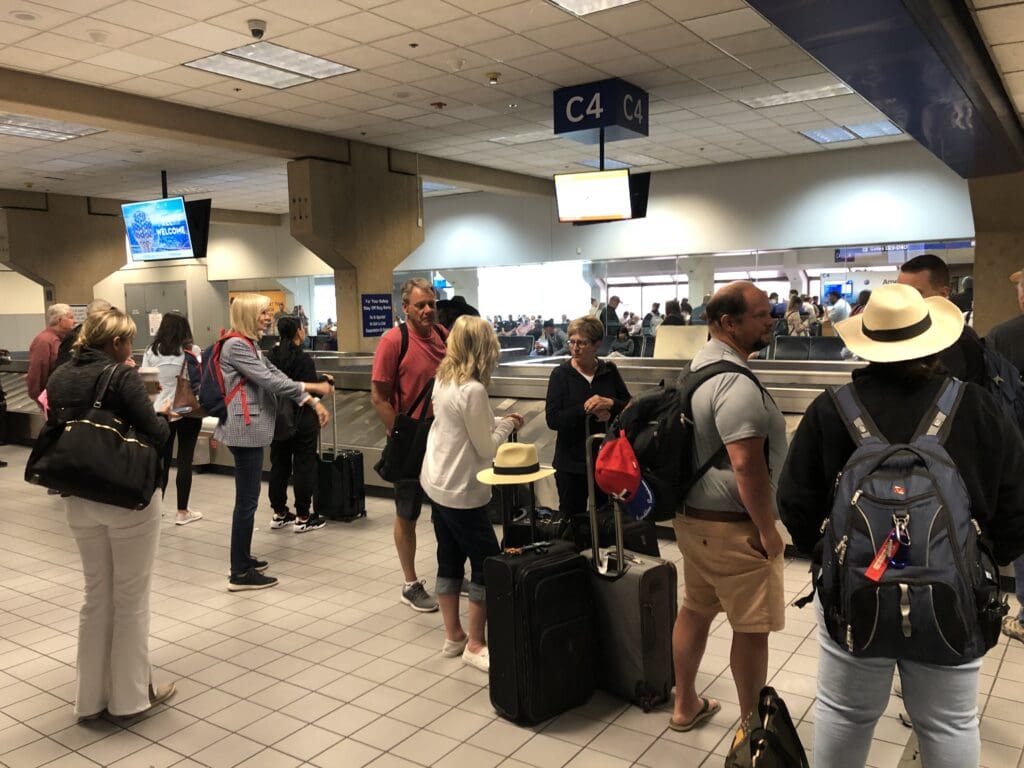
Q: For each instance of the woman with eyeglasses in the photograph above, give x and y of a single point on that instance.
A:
(584, 394)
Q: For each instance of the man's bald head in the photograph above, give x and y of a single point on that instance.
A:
(733, 299)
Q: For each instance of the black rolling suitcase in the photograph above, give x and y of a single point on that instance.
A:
(540, 622)
(340, 493)
(635, 599)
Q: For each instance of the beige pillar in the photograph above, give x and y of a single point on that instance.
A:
(362, 218)
(999, 247)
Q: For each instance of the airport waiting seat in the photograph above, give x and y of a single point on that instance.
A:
(826, 348)
(792, 348)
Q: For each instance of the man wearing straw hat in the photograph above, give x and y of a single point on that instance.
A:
(902, 334)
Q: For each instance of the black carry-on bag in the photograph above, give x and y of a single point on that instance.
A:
(339, 493)
(635, 600)
(540, 620)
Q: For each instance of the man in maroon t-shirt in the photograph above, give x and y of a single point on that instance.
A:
(394, 386)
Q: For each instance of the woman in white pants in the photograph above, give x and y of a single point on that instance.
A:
(117, 545)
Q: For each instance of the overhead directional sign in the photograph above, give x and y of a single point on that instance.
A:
(581, 111)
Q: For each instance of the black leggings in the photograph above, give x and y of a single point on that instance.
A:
(187, 432)
(295, 456)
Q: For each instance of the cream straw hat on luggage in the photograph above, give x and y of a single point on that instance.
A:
(515, 463)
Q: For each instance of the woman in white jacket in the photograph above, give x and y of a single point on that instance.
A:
(462, 441)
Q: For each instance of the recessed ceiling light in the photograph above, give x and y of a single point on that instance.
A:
(43, 129)
(492, 77)
(794, 97)
(250, 71)
(583, 7)
(293, 61)
(25, 15)
(513, 105)
(828, 135)
(874, 129)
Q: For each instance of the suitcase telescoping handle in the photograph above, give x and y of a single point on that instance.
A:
(334, 426)
(509, 501)
(595, 535)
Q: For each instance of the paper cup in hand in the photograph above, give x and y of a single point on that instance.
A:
(151, 380)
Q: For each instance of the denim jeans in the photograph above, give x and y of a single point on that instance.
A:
(853, 693)
(462, 534)
(248, 471)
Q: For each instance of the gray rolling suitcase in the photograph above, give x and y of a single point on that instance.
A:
(635, 600)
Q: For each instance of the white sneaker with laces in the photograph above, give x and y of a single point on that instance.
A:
(190, 516)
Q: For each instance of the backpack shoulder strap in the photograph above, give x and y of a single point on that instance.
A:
(403, 329)
(938, 419)
(855, 416)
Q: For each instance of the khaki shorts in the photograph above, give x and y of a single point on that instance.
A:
(724, 569)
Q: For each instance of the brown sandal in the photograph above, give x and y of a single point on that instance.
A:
(709, 709)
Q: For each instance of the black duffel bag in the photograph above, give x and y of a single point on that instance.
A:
(402, 457)
(95, 456)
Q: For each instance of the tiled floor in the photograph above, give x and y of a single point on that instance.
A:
(328, 669)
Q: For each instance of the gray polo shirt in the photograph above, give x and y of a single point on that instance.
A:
(728, 408)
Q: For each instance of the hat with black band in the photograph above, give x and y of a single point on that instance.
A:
(899, 324)
(514, 463)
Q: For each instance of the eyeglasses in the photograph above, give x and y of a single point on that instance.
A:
(578, 342)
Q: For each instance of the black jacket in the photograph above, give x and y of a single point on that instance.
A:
(567, 391)
(72, 386)
(966, 358)
(986, 448)
(297, 365)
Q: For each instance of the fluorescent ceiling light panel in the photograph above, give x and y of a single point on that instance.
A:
(794, 97)
(583, 7)
(874, 130)
(250, 71)
(43, 129)
(292, 61)
(828, 135)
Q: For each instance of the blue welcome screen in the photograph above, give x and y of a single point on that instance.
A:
(157, 229)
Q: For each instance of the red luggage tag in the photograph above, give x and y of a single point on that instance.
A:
(880, 563)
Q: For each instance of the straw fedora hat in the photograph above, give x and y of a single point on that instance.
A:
(515, 463)
(899, 324)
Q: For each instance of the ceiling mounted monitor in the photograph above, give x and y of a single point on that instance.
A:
(157, 230)
(596, 196)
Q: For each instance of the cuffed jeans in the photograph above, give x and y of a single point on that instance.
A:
(118, 547)
(248, 471)
(462, 534)
(853, 693)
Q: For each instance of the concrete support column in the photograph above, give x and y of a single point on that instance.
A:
(701, 274)
(360, 217)
(795, 275)
(999, 246)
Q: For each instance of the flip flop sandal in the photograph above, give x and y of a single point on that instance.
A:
(707, 711)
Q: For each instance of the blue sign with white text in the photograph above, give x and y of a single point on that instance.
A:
(581, 111)
(157, 229)
(377, 314)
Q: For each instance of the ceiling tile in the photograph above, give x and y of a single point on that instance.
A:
(34, 61)
(90, 73)
(468, 30)
(478, 6)
(209, 36)
(521, 17)
(127, 62)
(201, 98)
(629, 18)
(659, 38)
(186, 76)
(1010, 57)
(59, 45)
(631, 65)
(165, 50)
(598, 52)
(310, 11)
(413, 45)
(147, 86)
(566, 34)
(774, 57)
(790, 71)
(1003, 25)
(407, 71)
(365, 27)
(749, 42)
(727, 24)
(419, 13)
(116, 35)
(365, 57)
(200, 9)
(720, 65)
(317, 42)
(456, 60)
(12, 33)
(145, 18)
(508, 48)
(238, 21)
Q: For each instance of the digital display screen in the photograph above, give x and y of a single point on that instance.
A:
(157, 230)
(845, 289)
(595, 196)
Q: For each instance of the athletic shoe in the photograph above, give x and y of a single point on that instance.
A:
(311, 523)
(259, 565)
(251, 579)
(1013, 628)
(280, 521)
(190, 517)
(417, 598)
(480, 660)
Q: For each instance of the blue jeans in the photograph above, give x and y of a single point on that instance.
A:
(462, 534)
(1018, 577)
(853, 693)
(248, 471)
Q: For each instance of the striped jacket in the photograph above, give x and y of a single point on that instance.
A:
(263, 382)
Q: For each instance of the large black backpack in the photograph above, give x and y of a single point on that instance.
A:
(659, 426)
(931, 599)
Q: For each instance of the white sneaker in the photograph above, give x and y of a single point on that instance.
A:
(480, 660)
(191, 516)
(454, 648)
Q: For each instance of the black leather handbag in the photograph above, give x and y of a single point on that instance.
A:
(402, 457)
(767, 737)
(95, 456)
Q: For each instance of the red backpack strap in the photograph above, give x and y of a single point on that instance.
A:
(240, 386)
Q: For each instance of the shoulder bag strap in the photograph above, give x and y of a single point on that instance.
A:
(938, 419)
(102, 384)
(422, 401)
(858, 421)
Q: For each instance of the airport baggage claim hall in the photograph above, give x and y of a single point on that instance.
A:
(328, 150)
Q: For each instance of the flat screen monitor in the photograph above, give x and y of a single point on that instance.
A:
(845, 289)
(593, 196)
(198, 214)
(157, 229)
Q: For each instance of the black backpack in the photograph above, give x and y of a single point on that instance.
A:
(659, 427)
(1003, 382)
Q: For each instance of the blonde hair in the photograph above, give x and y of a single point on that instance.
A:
(587, 326)
(56, 312)
(473, 352)
(102, 327)
(417, 282)
(245, 314)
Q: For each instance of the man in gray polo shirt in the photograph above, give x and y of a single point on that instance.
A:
(732, 551)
